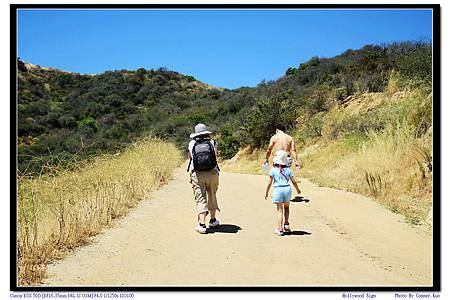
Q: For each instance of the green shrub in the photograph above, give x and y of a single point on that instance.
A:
(266, 115)
(417, 63)
(228, 142)
(88, 122)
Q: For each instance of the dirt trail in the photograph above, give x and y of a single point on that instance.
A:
(339, 239)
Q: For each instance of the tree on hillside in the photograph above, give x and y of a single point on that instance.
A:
(267, 113)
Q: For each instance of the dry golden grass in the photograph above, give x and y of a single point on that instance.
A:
(60, 212)
(394, 168)
(246, 161)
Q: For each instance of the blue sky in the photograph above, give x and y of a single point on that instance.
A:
(224, 48)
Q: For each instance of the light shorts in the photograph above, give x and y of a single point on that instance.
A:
(281, 194)
(204, 186)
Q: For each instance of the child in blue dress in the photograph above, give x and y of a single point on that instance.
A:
(281, 174)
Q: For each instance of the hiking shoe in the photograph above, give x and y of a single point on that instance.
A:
(278, 232)
(215, 223)
(287, 228)
(200, 229)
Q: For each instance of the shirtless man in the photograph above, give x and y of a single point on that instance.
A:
(282, 141)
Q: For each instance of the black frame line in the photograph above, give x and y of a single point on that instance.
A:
(436, 92)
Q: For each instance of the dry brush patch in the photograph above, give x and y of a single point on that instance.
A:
(393, 168)
(391, 163)
(59, 212)
(384, 152)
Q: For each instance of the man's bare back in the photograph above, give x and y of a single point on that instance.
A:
(282, 141)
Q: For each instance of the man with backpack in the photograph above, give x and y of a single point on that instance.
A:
(204, 176)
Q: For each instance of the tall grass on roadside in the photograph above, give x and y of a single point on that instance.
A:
(61, 211)
(393, 167)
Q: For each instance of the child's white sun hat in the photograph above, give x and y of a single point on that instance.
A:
(281, 158)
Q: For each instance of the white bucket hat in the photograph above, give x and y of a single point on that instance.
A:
(281, 158)
(200, 129)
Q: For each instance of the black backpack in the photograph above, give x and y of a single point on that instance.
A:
(203, 155)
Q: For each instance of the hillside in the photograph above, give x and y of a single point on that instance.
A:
(64, 116)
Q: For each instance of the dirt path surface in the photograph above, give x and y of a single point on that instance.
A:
(339, 239)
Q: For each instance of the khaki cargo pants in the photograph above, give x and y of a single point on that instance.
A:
(204, 186)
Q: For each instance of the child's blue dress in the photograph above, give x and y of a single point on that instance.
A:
(281, 188)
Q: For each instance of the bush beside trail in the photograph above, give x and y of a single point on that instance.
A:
(60, 211)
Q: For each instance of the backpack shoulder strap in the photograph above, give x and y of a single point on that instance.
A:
(192, 155)
(189, 165)
(193, 146)
(213, 150)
